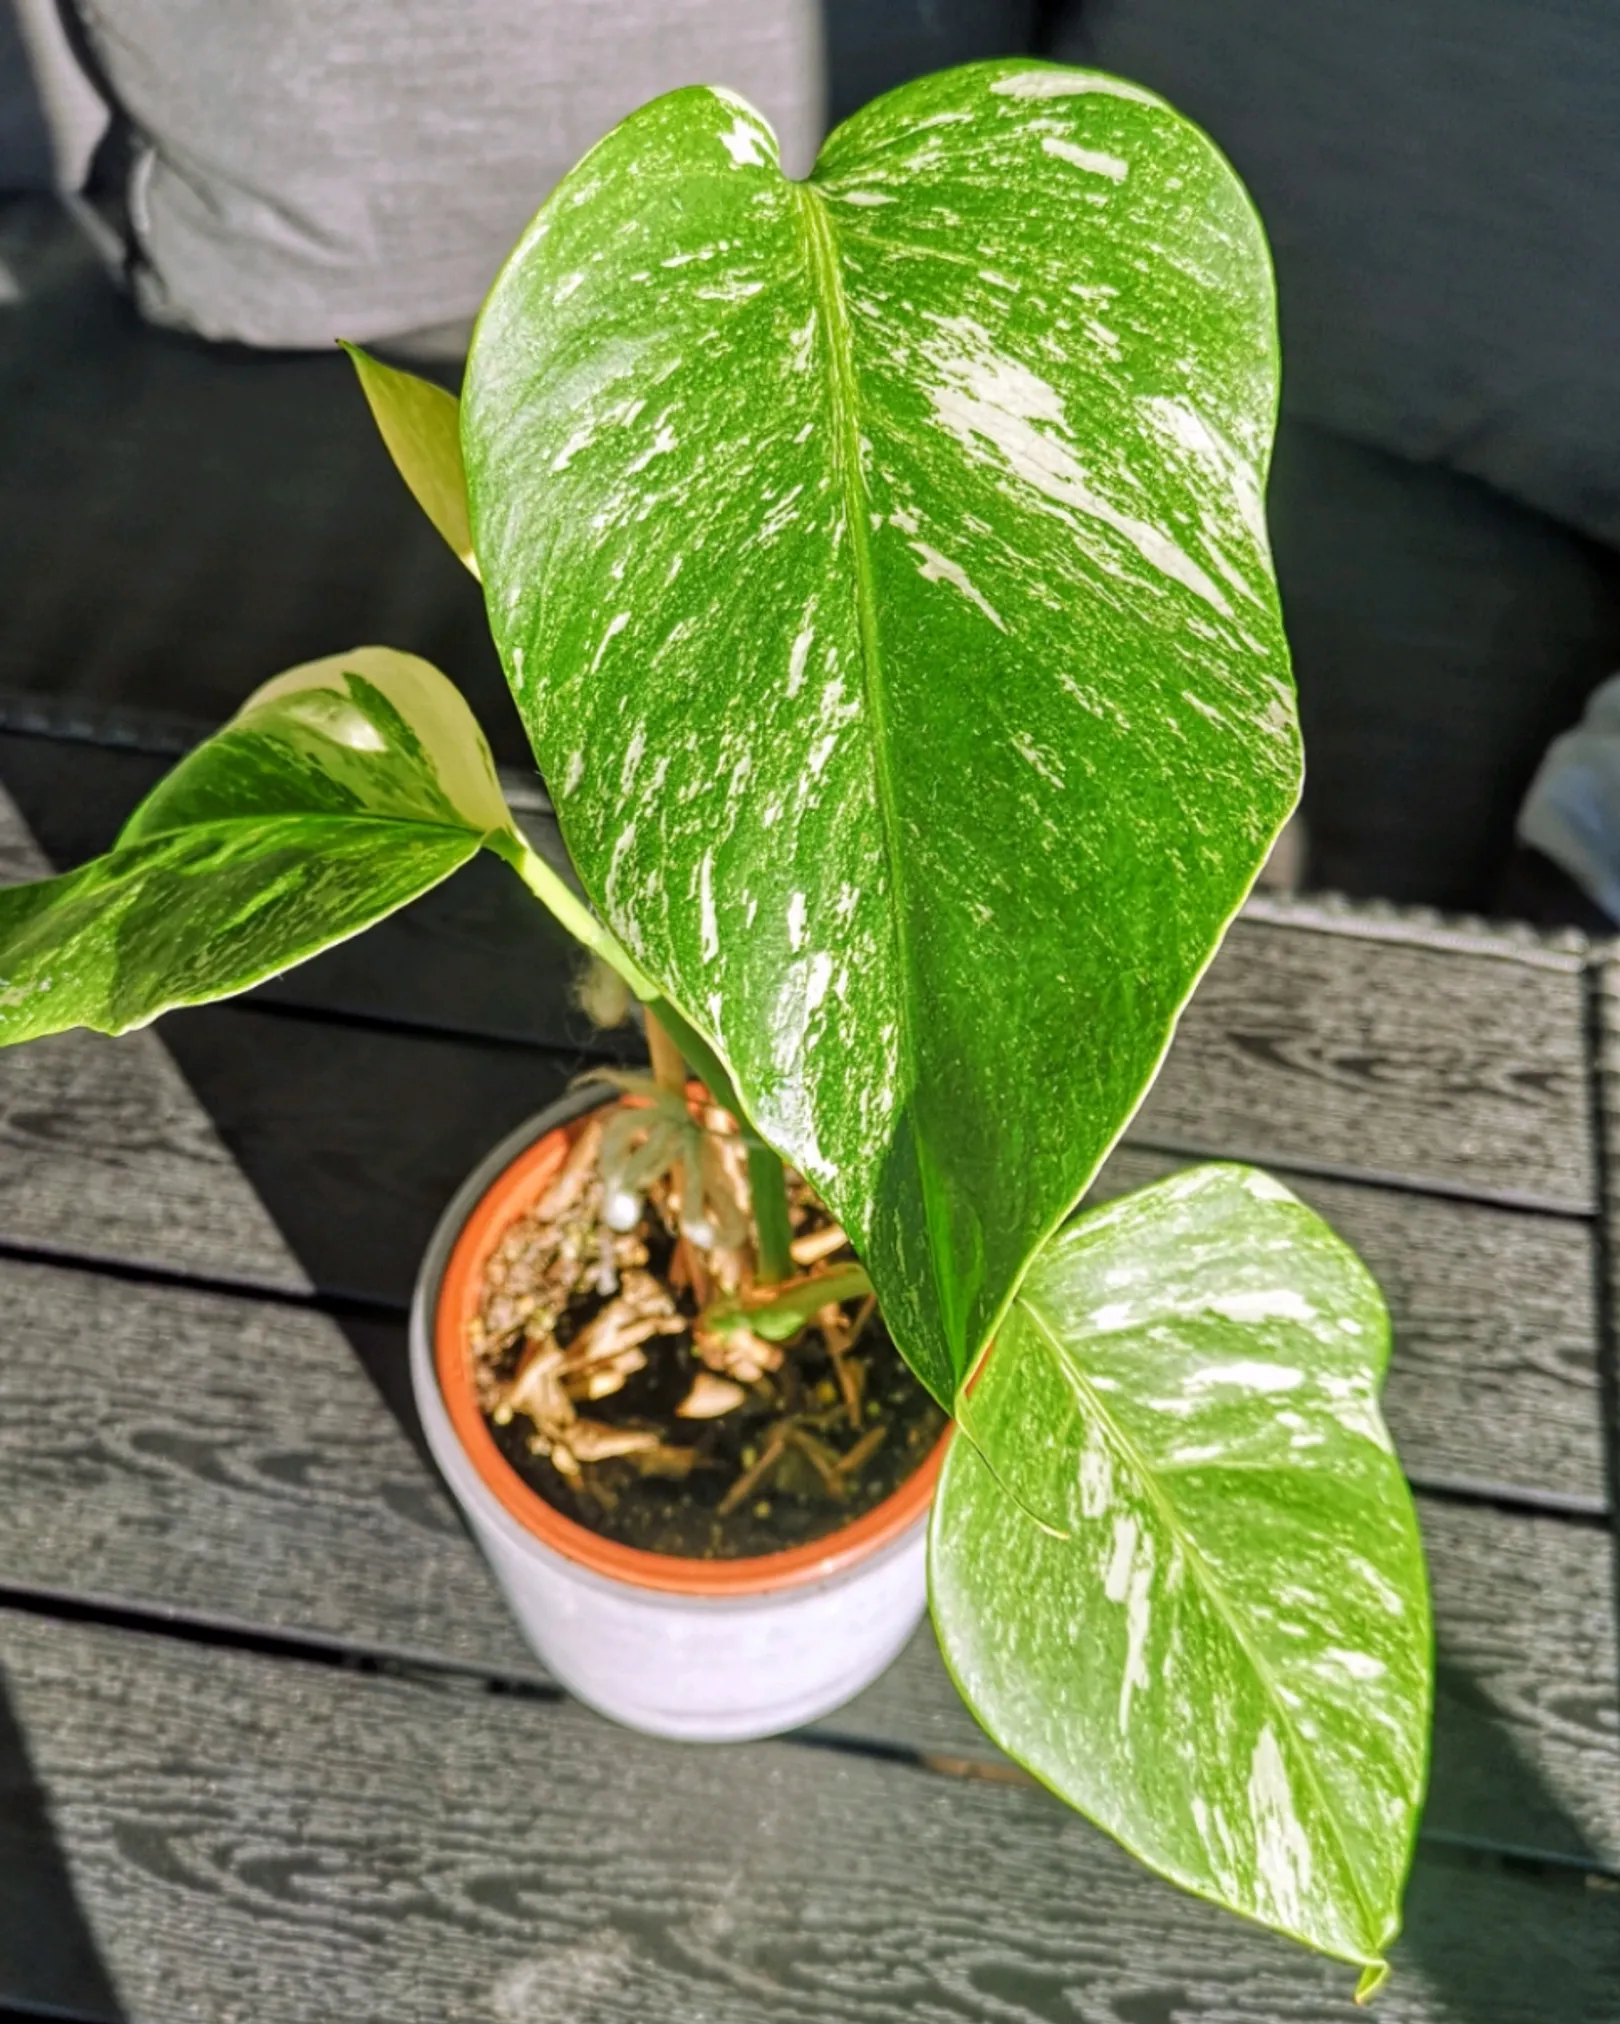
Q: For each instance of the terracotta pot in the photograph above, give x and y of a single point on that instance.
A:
(707, 1650)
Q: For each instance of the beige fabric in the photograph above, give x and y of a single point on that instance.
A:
(309, 169)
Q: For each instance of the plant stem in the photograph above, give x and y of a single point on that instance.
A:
(767, 1184)
(554, 892)
(669, 1072)
(767, 1179)
(668, 1066)
(779, 1317)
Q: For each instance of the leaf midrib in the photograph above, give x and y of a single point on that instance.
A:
(1205, 1576)
(827, 285)
(263, 819)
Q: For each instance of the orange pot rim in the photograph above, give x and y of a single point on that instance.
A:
(513, 1191)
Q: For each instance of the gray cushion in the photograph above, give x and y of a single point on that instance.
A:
(1441, 182)
(308, 169)
(44, 82)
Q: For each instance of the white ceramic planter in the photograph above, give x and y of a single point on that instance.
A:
(710, 1652)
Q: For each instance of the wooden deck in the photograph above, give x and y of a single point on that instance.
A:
(270, 1748)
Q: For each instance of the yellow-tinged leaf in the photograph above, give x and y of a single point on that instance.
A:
(421, 425)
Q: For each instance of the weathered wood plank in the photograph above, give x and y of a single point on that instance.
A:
(1494, 1386)
(1604, 979)
(250, 1839)
(1496, 1383)
(1456, 1064)
(105, 1153)
(232, 1381)
(355, 1139)
(1327, 1040)
(1528, 1703)
(223, 1460)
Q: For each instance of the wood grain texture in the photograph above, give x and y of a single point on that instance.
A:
(1384, 1047)
(1494, 1308)
(356, 1139)
(282, 1499)
(105, 1152)
(1494, 1384)
(260, 1840)
(1605, 1002)
(225, 1460)
(1387, 1059)
(228, 1463)
(1527, 1703)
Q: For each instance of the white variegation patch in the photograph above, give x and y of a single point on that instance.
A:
(912, 511)
(453, 746)
(1217, 1641)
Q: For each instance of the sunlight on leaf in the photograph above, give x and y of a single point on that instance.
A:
(1227, 1663)
(340, 791)
(879, 566)
(421, 425)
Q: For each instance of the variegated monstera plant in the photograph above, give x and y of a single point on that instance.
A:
(879, 565)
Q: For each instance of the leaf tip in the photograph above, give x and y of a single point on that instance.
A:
(1373, 1977)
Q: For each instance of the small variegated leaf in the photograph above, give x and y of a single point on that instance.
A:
(339, 791)
(879, 565)
(421, 425)
(1226, 1662)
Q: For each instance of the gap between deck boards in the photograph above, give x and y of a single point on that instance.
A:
(439, 1675)
(1511, 1499)
(442, 1676)
(1427, 1187)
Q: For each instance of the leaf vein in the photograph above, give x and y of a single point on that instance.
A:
(1207, 1580)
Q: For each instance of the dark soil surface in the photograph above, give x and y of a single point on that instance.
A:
(808, 1447)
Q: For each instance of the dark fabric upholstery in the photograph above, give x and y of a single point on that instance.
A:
(179, 521)
(25, 142)
(874, 45)
(1440, 180)
(1442, 635)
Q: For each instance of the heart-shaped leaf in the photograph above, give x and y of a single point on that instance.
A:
(879, 565)
(420, 424)
(1227, 1661)
(339, 791)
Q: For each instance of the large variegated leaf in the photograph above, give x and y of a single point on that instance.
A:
(340, 791)
(1226, 1662)
(879, 565)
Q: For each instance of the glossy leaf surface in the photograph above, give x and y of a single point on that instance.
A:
(340, 791)
(879, 566)
(1227, 1662)
(420, 423)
